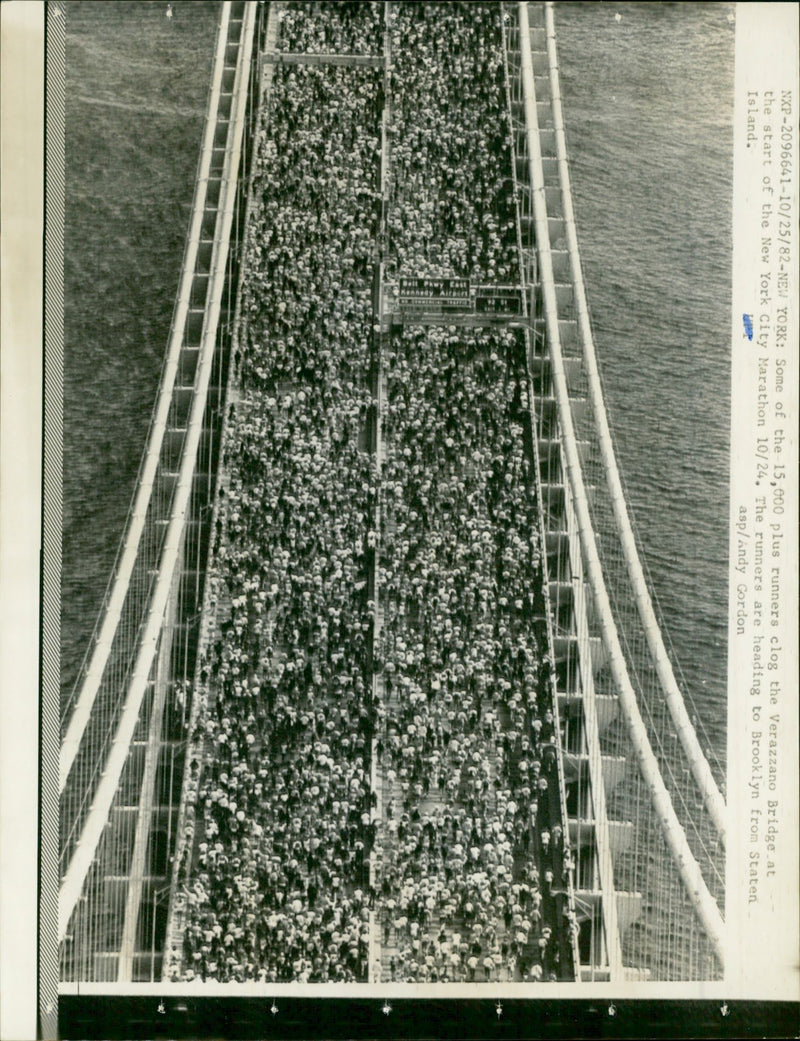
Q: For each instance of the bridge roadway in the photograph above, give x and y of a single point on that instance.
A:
(590, 838)
(552, 914)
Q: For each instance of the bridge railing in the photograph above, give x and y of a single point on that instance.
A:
(527, 273)
(196, 751)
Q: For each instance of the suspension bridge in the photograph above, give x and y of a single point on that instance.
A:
(638, 799)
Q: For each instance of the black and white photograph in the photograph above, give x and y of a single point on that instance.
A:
(404, 631)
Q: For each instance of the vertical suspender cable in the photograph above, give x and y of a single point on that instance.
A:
(144, 817)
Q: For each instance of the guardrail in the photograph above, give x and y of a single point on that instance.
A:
(184, 830)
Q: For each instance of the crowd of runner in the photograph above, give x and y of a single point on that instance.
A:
(281, 865)
(332, 27)
(428, 813)
(469, 745)
(472, 891)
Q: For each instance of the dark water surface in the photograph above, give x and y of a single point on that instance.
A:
(137, 86)
(648, 108)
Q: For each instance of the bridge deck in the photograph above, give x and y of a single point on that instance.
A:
(510, 848)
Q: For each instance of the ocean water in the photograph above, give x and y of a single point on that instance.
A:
(648, 107)
(137, 86)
